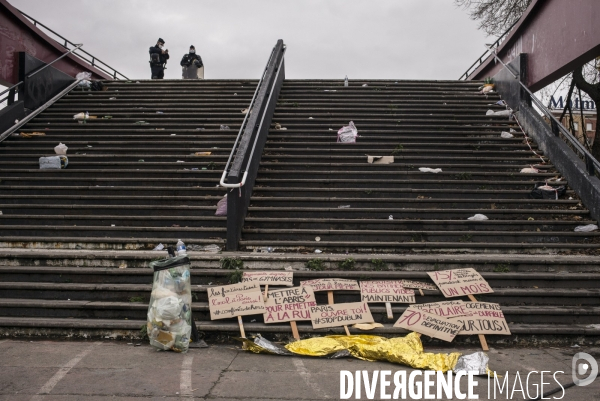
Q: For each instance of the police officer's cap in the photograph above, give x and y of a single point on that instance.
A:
(160, 40)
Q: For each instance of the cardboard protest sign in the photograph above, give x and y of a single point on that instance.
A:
(289, 304)
(460, 282)
(269, 278)
(340, 314)
(331, 284)
(429, 324)
(390, 291)
(444, 308)
(235, 300)
(418, 285)
(482, 318)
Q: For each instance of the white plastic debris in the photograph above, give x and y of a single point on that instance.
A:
(390, 217)
(224, 127)
(487, 89)
(317, 239)
(380, 159)
(478, 217)
(498, 113)
(430, 170)
(530, 170)
(344, 207)
(348, 133)
(81, 116)
(586, 229)
(477, 362)
(61, 149)
(365, 85)
(318, 251)
(506, 135)
(159, 247)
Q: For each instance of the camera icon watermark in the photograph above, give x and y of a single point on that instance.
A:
(584, 364)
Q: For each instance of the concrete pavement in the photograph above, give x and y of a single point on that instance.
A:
(110, 370)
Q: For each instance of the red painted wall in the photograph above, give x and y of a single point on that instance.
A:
(18, 34)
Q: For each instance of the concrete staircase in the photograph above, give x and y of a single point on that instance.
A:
(65, 270)
(310, 187)
(134, 180)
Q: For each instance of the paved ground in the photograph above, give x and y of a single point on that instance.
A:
(104, 370)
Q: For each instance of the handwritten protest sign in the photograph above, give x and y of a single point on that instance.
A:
(460, 282)
(289, 304)
(331, 284)
(235, 300)
(418, 285)
(269, 278)
(482, 318)
(414, 319)
(444, 308)
(390, 291)
(340, 314)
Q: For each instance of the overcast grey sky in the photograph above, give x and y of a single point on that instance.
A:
(396, 39)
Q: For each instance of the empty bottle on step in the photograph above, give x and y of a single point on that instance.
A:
(181, 249)
(346, 81)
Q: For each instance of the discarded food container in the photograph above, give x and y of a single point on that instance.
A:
(170, 309)
(53, 162)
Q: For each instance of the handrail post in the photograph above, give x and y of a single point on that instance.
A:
(244, 167)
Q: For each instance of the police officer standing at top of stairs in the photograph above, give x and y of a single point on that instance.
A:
(191, 65)
(158, 59)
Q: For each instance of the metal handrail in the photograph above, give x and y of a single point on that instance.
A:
(66, 41)
(49, 103)
(41, 68)
(241, 131)
(587, 156)
(494, 45)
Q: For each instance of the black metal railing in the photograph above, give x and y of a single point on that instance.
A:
(592, 165)
(92, 60)
(484, 56)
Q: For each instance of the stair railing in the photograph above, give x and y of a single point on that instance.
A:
(592, 165)
(94, 61)
(241, 171)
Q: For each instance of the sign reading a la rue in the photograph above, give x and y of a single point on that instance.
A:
(289, 304)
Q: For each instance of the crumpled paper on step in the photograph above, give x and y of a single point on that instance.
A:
(406, 350)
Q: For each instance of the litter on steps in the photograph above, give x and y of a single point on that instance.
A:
(222, 207)
(478, 217)
(499, 113)
(430, 170)
(380, 159)
(53, 162)
(544, 191)
(586, 229)
(347, 134)
(224, 127)
(31, 134)
(530, 170)
(506, 135)
(61, 149)
(279, 127)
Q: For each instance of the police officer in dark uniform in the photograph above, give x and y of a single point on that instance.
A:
(158, 59)
(192, 66)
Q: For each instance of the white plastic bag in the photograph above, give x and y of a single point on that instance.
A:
(168, 308)
(84, 75)
(53, 162)
(347, 134)
(81, 116)
(61, 149)
(430, 170)
(506, 135)
(586, 229)
(478, 217)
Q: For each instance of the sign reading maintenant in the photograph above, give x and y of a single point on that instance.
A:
(460, 282)
(235, 300)
(335, 315)
(390, 291)
(482, 318)
(331, 284)
(270, 278)
(431, 325)
(289, 304)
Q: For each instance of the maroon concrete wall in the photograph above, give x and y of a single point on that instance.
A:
(18, 34)
(557, 35)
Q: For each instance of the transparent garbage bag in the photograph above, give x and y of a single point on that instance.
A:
(348, 133)
(170, 309)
